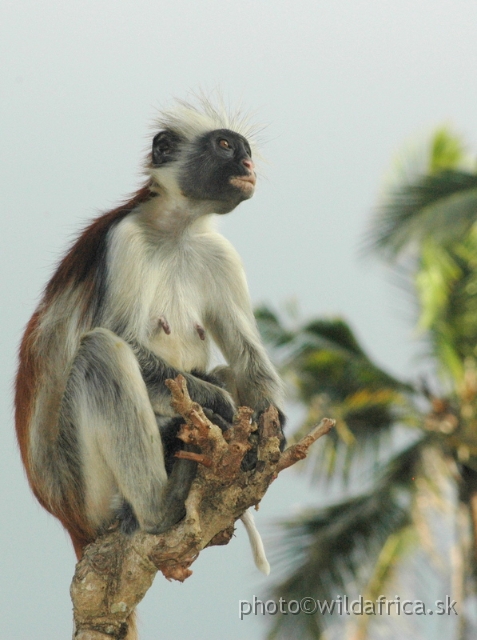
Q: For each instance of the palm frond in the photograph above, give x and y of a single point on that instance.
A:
(446, 283)
(327, 358)
(447, 151)
(427, 228)
(365, 423)
(397, 545)
(335, 377)
(271, 328)
(325, 551)
(336, 334)
(441, 206)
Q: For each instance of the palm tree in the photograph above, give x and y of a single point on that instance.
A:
(427, 228)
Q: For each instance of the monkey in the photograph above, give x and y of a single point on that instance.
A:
(141, 296)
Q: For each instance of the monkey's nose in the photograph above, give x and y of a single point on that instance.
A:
(248, 164)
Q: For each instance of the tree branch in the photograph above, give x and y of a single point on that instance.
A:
(115, 571)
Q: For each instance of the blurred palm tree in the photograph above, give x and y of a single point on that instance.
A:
(427, 228)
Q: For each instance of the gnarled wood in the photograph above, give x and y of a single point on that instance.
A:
(115, 572)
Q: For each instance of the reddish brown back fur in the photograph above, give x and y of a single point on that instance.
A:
(80, 265)
(25, 388)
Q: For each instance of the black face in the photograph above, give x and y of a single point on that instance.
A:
(219, 168)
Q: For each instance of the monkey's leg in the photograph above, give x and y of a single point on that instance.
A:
(181, 473)
(120, 447)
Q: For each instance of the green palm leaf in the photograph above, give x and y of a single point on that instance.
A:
(437, 200)
(441, 206)
(327, 550)
(271, 328)
(427, 228)
(334, 377)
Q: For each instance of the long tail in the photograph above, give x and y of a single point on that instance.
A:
(255, 542)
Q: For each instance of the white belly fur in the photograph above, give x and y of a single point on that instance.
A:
(182, 348)
(180, 299)
(174, 281)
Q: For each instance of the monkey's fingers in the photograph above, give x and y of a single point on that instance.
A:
(217, 419)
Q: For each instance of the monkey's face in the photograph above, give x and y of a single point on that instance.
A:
(217, 167)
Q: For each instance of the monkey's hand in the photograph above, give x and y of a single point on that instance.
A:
(282, 417)
(211, 397)
(217, 419)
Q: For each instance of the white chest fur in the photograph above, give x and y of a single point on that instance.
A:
(162, 290)
(178, 309)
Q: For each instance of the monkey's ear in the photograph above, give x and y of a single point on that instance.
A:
(164, 147)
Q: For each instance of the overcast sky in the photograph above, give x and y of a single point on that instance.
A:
(341, 85)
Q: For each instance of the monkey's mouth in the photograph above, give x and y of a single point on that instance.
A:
(246, 184)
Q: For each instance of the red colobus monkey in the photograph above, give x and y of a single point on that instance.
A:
(139, 298)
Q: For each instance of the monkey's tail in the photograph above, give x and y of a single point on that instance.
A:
(255, 542)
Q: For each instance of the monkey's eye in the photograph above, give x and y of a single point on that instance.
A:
(224, 143)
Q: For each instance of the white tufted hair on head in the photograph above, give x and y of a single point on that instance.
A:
(195, 117)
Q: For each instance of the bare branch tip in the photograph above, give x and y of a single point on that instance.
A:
(299, 451)
(195, 457)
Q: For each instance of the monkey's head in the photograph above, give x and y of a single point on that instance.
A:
(205, 156)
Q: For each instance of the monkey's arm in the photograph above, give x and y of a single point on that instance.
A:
(156, 371)
(256, 383)
(234, 329)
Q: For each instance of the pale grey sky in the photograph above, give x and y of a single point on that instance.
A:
(342, 85)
